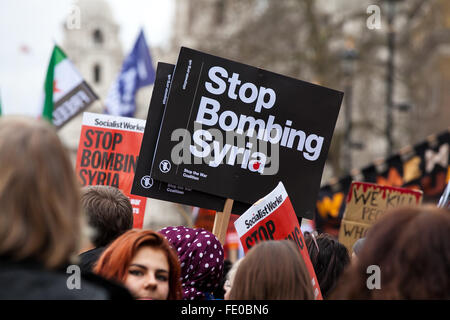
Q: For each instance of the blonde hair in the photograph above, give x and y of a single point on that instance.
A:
(272, 270)
(39, 195)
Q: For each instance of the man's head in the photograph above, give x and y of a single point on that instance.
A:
(108, 211)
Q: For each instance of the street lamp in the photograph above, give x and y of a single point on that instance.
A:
(349, 55)
(390, 11)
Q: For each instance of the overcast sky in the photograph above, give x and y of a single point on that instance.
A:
(29, 28)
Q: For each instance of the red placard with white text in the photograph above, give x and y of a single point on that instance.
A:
(274, 218)
(107, 155)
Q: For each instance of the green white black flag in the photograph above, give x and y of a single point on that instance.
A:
(66, 92)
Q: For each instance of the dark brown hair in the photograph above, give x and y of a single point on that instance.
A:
(411, 247)
(109, 213)
(272, 270)
(40, 216)
(329, 260)
(113, 264)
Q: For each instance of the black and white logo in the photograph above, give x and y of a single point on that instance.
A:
(146, 182)
(164, 166)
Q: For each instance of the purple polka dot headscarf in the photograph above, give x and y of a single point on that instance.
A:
(201, 258)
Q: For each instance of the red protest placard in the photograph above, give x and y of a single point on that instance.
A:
(274, 218)
(107, 155)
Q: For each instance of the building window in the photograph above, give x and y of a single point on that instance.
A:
(97, 73)
(98, 37)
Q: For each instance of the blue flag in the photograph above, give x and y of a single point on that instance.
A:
(137, 71)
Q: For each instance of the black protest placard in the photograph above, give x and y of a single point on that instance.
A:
(143, 184)
(235, 131)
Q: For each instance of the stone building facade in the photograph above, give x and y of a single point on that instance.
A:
(97, 52)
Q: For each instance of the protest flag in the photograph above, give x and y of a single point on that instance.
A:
(137, 71)
(66, 92)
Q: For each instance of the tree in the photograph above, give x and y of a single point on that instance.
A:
(306, 39)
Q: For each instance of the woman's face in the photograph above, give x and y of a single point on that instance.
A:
(148, 274)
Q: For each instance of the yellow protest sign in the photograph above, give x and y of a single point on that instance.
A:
(366, 203)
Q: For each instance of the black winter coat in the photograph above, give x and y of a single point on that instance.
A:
(30, 281)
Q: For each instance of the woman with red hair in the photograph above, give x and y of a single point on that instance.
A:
(145, 263)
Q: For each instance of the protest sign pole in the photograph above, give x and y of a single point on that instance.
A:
(221, 221)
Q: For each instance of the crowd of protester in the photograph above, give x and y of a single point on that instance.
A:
(48, 223)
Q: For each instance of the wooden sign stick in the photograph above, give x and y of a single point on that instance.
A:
(221, 221)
